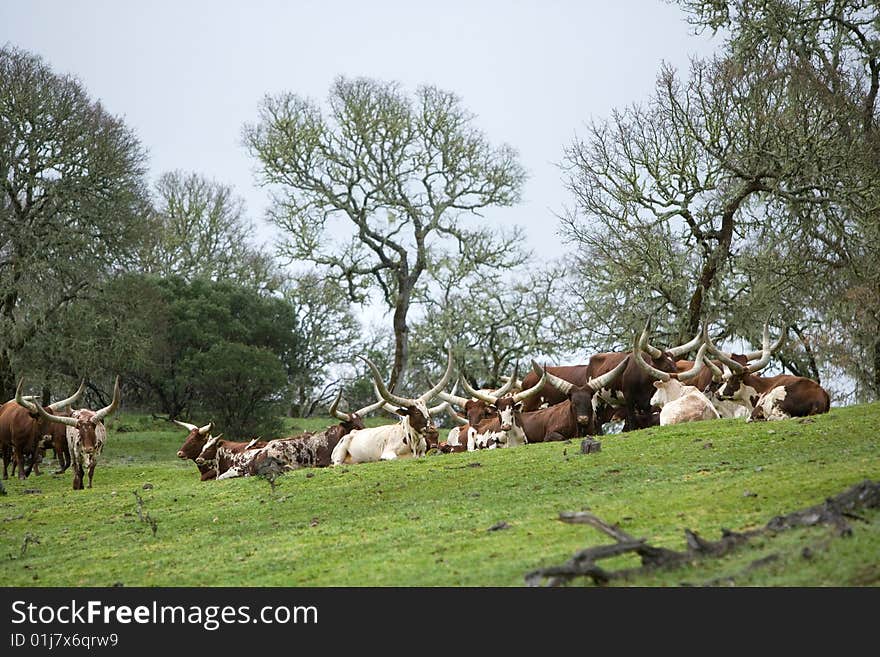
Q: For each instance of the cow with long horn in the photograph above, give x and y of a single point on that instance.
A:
(408, 438)
(768, 398)
(504, 428)
(678, 402)
(582, 398)
(309, 450)
(86, 435)
(22, 429)
(193, 445)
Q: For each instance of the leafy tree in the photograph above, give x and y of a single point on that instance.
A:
(240, 387)
(199, 230)
(402, 174)
(71, 198)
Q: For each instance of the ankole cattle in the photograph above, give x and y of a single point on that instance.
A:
(678, 402)
(406, 439)
(221, 455)
(632, 390)
(86, 435)
(780, 397)
(22, 429)
(193, 445)
(309, 450)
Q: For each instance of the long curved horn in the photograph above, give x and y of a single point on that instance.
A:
(369, 408)
(60, 419)
(390, 397)
(681, 350)
(508, 385)
(186, 425)
(104, 412)
(458, 419)
(452, 398)
(25, 402)
(652, 351)
(766, 353)
(647, 368)
(725, 358)
(561, 385)
(207, 428)
(439, 408)
(531, 392)
(603, 380)
(339, 415)
(428, 396)
(59, 405)
(752, 355)
(482, 396)
(717, 373)
(696, 368)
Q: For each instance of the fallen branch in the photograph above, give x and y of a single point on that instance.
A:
(833, 511)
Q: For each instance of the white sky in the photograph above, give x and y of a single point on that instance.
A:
(187, 75)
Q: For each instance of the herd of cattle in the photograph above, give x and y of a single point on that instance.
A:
(643, 387)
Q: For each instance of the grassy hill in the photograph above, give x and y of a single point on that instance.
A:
(426, 522)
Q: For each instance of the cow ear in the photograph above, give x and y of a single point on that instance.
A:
(402, 411)
(657, 384)
(518, 406)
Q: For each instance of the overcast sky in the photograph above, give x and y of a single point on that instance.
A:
(187, 75)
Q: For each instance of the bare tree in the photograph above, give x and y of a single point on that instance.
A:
(402, 174)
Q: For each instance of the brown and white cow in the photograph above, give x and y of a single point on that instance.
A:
(22, 429)
(308, 450)
(221, 455)
(86, 435)
(406, 439)
(782, 396)
(193, 445)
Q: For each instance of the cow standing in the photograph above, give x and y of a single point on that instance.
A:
(86, 435)
(22, 429)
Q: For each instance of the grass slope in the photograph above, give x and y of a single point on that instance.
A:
(425, 522)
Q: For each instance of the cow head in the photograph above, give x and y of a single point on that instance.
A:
(208, 455)
(737, 375)
(87, 423)
(502, 402)
(355, 420)
(667, 385)
(195, 440)
(414, 412)
(581, 397)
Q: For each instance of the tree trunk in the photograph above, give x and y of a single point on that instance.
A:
(401, 335)
(717, 258)
(811, 357)
(7, 377)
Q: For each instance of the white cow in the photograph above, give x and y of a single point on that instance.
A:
(679, 402)
(406, 439)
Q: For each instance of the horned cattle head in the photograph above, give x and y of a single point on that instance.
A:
(355, 419)
(85, 421)
(504, 403)
(667, 384)
(739, 368)
(29, 401)
(581, 397)
(414, 412)
(195, 440)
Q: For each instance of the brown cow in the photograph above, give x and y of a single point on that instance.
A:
(22, 430)
(632, 389)
(193, 445)
(86, 435)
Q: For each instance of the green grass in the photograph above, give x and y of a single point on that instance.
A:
(424, 522)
